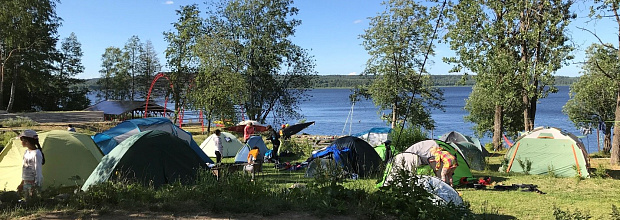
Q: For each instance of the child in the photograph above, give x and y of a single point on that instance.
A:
(32, 175)
(448, 161)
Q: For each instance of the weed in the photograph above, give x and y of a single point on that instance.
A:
(568, 215)
(526, 165)
(488, 210)
(615, 214)
(601, 172)
(504, 165)
(551, 171)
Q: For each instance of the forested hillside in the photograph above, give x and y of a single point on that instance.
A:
(348, 81)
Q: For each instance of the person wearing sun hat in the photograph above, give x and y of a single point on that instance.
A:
(449, 163)
(32, 174)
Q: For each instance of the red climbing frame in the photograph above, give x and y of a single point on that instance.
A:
(148, 96)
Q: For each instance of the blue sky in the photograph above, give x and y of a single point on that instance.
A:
(330, 29)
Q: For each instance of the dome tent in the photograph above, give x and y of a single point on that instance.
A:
(549, 149)
(253, 141)
(230, 143)
(150, 157)
(108, 140)
(70, 157)
(472, 151)
(354, 155)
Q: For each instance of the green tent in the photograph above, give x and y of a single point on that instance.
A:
(548, 149)
(150, 157)
(380, 149)
(70, 157)
(472, 155)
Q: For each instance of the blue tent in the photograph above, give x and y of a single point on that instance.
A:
(109, 139)
(253, 141)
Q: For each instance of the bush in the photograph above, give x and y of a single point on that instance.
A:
(403, 138)
(18, 122)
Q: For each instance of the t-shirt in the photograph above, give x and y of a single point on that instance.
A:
(247, 132)
(218, 144)
(252, 155)
(32, 166)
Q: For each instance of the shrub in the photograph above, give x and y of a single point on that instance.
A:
(18, 122)
(403, 138)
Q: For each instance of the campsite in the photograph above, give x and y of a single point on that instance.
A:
(234, 109)
(558, 196)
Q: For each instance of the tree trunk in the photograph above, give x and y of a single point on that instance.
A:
(2, 86)
(607, 141)
(527, 116)
(615, 148)
(393, 115)
(9, 108)
(497, 127)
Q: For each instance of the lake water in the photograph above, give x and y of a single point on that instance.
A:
(330, 108)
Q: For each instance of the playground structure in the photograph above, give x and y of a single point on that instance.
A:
(181, 108)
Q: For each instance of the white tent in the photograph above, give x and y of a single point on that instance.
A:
(230, 143)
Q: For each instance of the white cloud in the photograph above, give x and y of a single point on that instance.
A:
(352, 74)
(357, 21)
(169, 2)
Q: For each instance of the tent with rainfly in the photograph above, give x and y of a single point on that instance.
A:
(354, 155)
(253, 141)
(70, 157)
(549, 149)
(150, 157)
(471, 148)
(230, 143)
(108, 140)
(422, 149)
(375, 136)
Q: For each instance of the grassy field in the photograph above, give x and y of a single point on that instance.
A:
(571, 198)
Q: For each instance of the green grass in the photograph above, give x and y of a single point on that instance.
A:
(594, 196)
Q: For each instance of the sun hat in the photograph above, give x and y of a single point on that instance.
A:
(29, 134)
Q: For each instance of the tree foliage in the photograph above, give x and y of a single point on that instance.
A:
(31, 62)
(398, 42)
(514, 47)
(217, 90)
(180, 56)
(608, 65)
(593, 96)
(276, 72)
